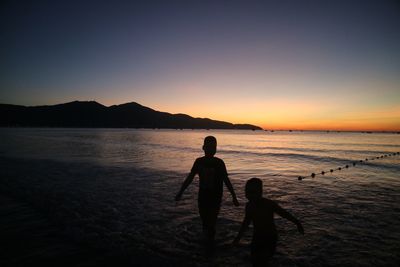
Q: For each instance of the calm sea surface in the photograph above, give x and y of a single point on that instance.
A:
(114, 188)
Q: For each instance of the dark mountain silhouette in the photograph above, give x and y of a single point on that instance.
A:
(92, 114)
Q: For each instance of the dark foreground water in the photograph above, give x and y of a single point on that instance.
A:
(113, 190)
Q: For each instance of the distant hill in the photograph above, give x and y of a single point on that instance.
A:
(92, 114)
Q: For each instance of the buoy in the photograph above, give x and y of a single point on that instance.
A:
(354, 164)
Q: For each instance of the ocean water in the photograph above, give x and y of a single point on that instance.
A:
(113, 189)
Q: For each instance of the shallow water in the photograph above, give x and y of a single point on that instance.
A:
(113, 189)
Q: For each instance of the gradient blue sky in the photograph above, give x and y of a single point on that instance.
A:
(277, 64)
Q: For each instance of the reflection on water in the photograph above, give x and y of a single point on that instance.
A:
(175, 150)
(115, 188)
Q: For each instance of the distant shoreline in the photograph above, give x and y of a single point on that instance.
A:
(203, 129)
(90, 114)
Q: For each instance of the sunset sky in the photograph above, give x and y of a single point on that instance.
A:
(277, 64)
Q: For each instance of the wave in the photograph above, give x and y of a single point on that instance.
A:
(298, 156)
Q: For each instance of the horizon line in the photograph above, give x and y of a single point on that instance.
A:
(264, 128)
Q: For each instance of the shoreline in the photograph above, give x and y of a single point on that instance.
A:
(29, 239)
(208, 129)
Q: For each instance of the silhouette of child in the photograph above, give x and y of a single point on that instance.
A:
(212, 174)
(260, 211)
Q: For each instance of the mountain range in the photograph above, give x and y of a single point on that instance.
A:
(90, 114)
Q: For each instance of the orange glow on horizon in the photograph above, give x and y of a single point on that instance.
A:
(373, 120)
(388, 127)
(287, 114)
(315, 118)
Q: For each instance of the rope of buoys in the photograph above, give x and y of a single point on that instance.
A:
(354, 163)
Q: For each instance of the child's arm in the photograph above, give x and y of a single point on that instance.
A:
(285, 214)
(185, 184)
(228, 184)
(245, 224)
(230, 188)
(188, 180)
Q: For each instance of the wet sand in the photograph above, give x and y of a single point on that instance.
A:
(30, 239)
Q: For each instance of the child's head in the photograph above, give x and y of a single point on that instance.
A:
(210, 146)
(253, 189)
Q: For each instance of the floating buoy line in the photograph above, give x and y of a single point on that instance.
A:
(352, 164)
